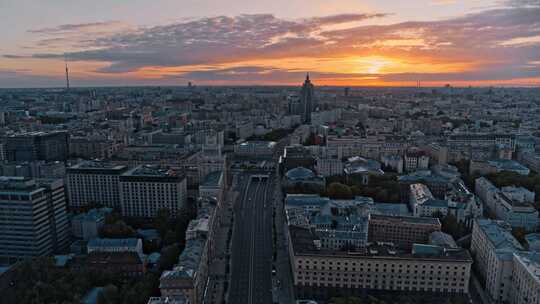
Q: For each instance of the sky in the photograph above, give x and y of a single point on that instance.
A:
(247, 42)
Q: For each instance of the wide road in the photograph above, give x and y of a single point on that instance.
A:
(251, 277)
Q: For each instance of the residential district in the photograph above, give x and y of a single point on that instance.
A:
(255, 195)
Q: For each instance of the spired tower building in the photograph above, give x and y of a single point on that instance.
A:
(306, 100)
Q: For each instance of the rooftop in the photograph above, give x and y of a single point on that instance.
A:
(18, 184)
(149, 171)
(299, 200)
(112, 243)
(499, 236)
(93, 215)
(260, 144)
(531, 261)
(299, 173)
(304, 243)
(97, 165)
(507, 165)
(532, 238)
(407, 219)
(212, 179)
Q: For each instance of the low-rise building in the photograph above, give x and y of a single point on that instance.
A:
(498, 165)
(415, 159)
(511, 204)
(115, 245)
(318, 272)
(255, 148)
(392, 162)
(402, 231)
(329, 166)
(212, 186)
(188, 279)
(126, 263)
(86, 226)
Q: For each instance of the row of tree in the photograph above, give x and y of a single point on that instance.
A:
(40, 281)
(384, 188)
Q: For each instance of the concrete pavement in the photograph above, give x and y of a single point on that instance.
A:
(252, 244)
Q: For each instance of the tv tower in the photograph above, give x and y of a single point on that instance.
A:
(67, 72)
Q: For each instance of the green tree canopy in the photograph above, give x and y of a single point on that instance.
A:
(339, 191)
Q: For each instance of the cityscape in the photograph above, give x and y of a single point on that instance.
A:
(299, 152)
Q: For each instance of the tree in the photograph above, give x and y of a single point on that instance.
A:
(162, 221)
(346, 300)
(519, 233)
(451, 226)
(169, 257)
(117, 230)
(108, 295)
(170, 238)
(339, 191)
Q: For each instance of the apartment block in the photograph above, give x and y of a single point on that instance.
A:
(94, 182)
(146, 189)
(34, 220)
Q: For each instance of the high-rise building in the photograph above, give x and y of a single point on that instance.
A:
(32, 146)
(34, 219)
(146, 189)
(92, 182)
(306, 100)
(2, 151)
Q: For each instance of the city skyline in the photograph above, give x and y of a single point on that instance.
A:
(345, 43)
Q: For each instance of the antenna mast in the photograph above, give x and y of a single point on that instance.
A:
(67, 72)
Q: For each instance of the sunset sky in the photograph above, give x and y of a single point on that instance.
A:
(245, 42)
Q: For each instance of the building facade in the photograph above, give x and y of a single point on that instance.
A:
(146, 189)
(34, 219)
(403, 231)
(48, 146)
(306, 100)
(319, 273)
(94, 182)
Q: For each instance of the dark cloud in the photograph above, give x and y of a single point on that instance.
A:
(10, 56)
(344, 18)
(64, 28)
(485, 39)
(523, 3)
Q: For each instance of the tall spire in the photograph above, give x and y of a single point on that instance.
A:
(67, 72)
(307, 76)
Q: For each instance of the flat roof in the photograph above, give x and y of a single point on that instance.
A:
(407, 219)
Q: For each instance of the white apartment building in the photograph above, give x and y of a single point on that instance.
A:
(329, 166)
(510, 204)
(145, 189)
(415, 159)
(94, 182)
(526, 278)
(493, 248)
(316, 270)
(420, 195)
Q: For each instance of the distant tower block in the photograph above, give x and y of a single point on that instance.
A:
(67, 73)
(306, 100)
